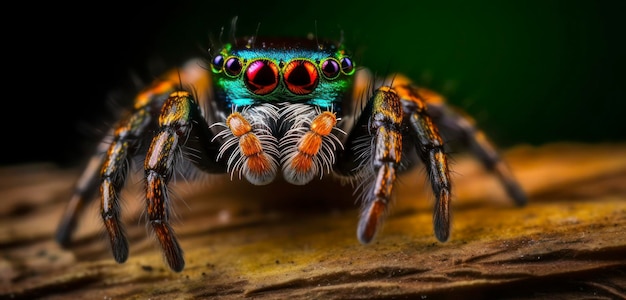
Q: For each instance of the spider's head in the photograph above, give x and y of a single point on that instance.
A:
(282, 70)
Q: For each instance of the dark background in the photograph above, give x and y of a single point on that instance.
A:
(530, 72)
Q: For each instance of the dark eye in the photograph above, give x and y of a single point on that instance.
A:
(347, 66)
(233, 66)
(330, 68)
(301, 77)
(217, 63)
(261, 77)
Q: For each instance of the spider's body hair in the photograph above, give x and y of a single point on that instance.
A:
(261, 108)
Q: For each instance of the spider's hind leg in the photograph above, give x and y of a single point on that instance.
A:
(84, 193)
(455, 125)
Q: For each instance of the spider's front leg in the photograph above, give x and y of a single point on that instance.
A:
(430, 148)
(113, 176)
(113, 168)
(108, 169)
(385, 125)
(180, 123)
(387, 119)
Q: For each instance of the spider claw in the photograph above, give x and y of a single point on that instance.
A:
(120, 250)
(370, 220)
(171, 248)
(67, 225)
(516, 192)
(441, 217)
(64, 232)
(512, 187)
(119, 243)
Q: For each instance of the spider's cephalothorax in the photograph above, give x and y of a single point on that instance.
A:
(298, 109)
(278, 105)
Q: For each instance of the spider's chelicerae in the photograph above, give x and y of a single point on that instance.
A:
(296, 109)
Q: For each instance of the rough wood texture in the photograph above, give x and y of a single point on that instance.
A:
(279, 242)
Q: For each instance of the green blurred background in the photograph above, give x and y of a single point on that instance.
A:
(530, 72)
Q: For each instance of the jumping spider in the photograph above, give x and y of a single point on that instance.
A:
(262, 109)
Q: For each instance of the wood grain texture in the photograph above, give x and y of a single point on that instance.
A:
(281, 241)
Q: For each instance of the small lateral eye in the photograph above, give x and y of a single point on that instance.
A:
(330, 68)
(347, 66)
(301, 77)
(261, 77)
(217, 63)
(233, 66)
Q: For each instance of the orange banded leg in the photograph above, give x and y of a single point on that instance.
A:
(386, 122)
(113, 176)
(458, 126)
(110, 158)
(464, 128)
(175, 126)
(307, 160)
(430, 149)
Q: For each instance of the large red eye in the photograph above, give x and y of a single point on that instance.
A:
(301, 77)
(261, 77)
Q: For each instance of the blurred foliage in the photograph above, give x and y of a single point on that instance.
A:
(530, 72)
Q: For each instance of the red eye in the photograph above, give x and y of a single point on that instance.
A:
(301, 77)
(232, 66)
(261, 77)
(330, 68)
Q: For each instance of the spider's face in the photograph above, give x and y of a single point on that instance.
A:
(278, 71)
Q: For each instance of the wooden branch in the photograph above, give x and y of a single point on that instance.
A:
(285, 242)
